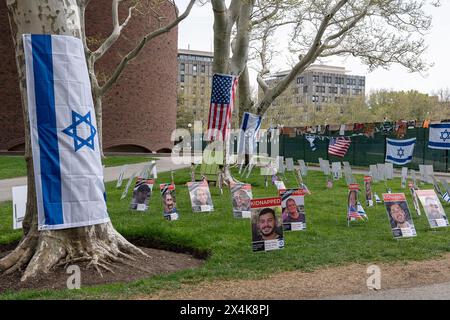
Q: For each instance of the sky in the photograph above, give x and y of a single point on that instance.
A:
(196, 33)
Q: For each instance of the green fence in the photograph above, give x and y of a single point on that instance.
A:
(365, 151)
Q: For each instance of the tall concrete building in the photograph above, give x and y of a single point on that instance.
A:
(318, 86)
(139, 112)
(194, 85)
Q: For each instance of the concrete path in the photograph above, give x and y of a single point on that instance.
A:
(439, 291)
(163, 164)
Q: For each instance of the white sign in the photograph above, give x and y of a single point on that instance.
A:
(374, 172)
(381, 171)
(336, 169)
(389, 167)
(19, 198)
(290, 164)
(404, 176)
(122, 172)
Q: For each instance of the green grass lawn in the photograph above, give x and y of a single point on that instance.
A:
(15, 166)
(326, 242)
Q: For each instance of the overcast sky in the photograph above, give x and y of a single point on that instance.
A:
(196, 33)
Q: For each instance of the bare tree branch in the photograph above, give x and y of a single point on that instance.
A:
(117, 30)
(133, 53)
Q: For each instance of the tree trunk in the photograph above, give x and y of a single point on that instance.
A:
(40, 251)
(245, 97)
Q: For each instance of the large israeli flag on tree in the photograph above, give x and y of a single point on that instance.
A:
(66, 156)
(400, 151)
(439, 136)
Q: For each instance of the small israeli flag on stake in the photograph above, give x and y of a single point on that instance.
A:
(67, 165)
(248, 134)
(446, 197)
(400, 151)
(439, 136)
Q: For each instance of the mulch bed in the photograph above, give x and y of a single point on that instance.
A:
(158, 262)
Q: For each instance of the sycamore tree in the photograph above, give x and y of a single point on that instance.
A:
(100, 245)
(378, 32)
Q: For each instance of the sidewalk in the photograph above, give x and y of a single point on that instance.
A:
(110, 174)
(439, 291)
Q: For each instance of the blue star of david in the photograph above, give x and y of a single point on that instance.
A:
(79, 142)
(445, 135)
(400, 152)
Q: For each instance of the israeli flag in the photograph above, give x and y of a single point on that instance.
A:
(248, 134)
(439, 136)
(446, 197)
(400, 151)
(66, 156)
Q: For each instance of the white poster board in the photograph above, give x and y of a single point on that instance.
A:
(374, 172)
(290, 164)
(404, 177)
(121, 174)
(336, 170)
(325, 167)
(19, 199)
(426, 171)
(303, 168)
(381, 171)
(389, 167)
(280, 162)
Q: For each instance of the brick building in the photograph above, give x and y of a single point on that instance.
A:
(139, 111)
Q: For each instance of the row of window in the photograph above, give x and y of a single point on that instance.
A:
(194, 68)
(328, 99)
(193, 57)
(337, 80)
(333, 90)
(194, 78)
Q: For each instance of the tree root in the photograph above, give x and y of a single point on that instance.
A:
(100, 245)
(228, 178)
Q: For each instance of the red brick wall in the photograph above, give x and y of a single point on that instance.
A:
(139, 110)
(11, 118)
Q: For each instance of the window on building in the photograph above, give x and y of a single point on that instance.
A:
(332, 90)
(194, 68)
(182, 78)
(320, 89)
(202, 68)
(182, 67)
(315, 98)
(362, 82)
(339, 80)
(305, 89)
(326, 79)
(300, 79)
(343, 90)
(316, 79)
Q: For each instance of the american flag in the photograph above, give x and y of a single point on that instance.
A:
(339, 146)
(221, 107)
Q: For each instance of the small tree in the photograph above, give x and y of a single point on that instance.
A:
(101, 244)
